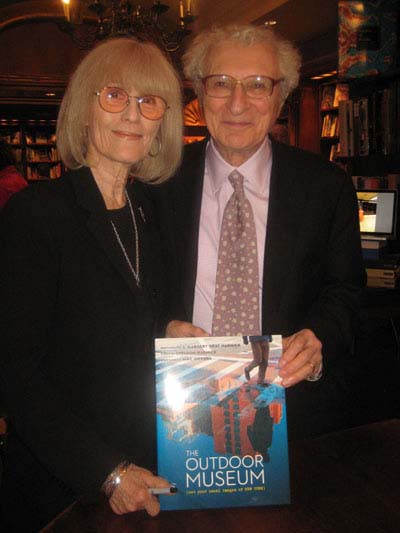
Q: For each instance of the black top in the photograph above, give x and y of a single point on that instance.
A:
(77, 363)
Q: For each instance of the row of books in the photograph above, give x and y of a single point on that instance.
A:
(383, 272)
(18, 137)
(13, 137)
(40, 138)
(332, 94)
(43, 171)
(371, 124)
(389, 182)
(42, 154)
(330, 126)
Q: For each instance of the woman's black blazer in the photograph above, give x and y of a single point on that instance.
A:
(76, 363)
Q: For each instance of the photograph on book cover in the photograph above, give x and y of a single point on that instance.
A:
(221, 422)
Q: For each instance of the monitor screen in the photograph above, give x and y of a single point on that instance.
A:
(377, 213)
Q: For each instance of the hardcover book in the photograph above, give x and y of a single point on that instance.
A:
(221, 422)
(328, 94)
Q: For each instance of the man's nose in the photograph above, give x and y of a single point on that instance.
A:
(238, 101)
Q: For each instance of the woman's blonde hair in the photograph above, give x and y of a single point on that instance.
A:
(128, 63)
(196, 59)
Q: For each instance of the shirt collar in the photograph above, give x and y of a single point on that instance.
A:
(256, 170)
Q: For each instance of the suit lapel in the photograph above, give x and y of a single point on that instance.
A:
(285, 211)
(89, 198)
(187, 194)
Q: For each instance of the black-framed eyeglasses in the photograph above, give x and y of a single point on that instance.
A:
(222, 85)
(115, 100)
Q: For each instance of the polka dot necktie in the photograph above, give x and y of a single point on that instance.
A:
(236, 301)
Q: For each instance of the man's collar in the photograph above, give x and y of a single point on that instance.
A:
(255, 169)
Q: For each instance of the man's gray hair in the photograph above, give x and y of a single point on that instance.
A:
(196, 59)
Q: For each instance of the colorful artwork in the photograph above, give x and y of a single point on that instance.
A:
(367, 37)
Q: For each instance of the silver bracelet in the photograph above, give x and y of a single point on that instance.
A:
(115, 478)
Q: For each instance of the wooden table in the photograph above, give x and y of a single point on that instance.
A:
(342, 482)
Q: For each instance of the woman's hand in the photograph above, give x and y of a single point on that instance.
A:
(133, 494)
(178, 328)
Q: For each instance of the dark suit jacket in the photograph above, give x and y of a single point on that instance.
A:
(313, 270)
(76, 334)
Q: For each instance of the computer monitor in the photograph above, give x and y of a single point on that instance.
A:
(377, 213)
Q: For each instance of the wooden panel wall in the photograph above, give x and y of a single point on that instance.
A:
(34, 49)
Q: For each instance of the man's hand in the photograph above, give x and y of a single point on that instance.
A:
(132, 494)
(301, 359)
(178, 328)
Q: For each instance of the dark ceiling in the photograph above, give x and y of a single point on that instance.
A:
(311, 24)
(299, 20)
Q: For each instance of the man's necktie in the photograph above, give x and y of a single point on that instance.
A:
(236, 301)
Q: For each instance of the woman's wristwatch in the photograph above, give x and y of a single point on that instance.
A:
(316, 374)
(115, 478)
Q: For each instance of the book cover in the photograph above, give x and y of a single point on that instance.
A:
(221, 422)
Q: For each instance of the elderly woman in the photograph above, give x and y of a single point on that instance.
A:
(83, 294)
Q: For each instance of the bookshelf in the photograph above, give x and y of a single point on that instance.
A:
(360, 127)
(29, 129)
(331, 94)
(34, 145)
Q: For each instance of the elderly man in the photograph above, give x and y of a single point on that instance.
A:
(241, 200)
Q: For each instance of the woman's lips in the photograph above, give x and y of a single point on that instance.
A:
(127, 135)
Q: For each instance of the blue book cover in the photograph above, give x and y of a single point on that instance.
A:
(221, 422)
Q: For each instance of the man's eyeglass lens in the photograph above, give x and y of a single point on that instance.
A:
(222, 86)
(115, 99)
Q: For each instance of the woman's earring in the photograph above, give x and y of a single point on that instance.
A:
(158, 148)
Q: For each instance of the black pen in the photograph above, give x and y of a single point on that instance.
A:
(164, 490)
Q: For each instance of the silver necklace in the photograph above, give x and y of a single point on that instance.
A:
(135, 271)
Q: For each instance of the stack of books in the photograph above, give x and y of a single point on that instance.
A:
(373, 249)
(384, 272)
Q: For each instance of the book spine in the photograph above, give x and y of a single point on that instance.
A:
(343, 129)
(371, 245)
(382, 273)
(382, 282)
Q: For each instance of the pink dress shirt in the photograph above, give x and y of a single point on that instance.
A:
(216, 193)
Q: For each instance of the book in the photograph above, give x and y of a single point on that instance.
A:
(361, 126)
(334, 151)
(346, 123)
(221, 430)
(388, 283)
(390, 273)
(370, 182)
(393, 181)
(390, 261)
(373, 244)
(342, 91)
(327, 97)
(372, 254)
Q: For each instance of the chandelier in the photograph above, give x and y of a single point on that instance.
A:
(88, 21)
